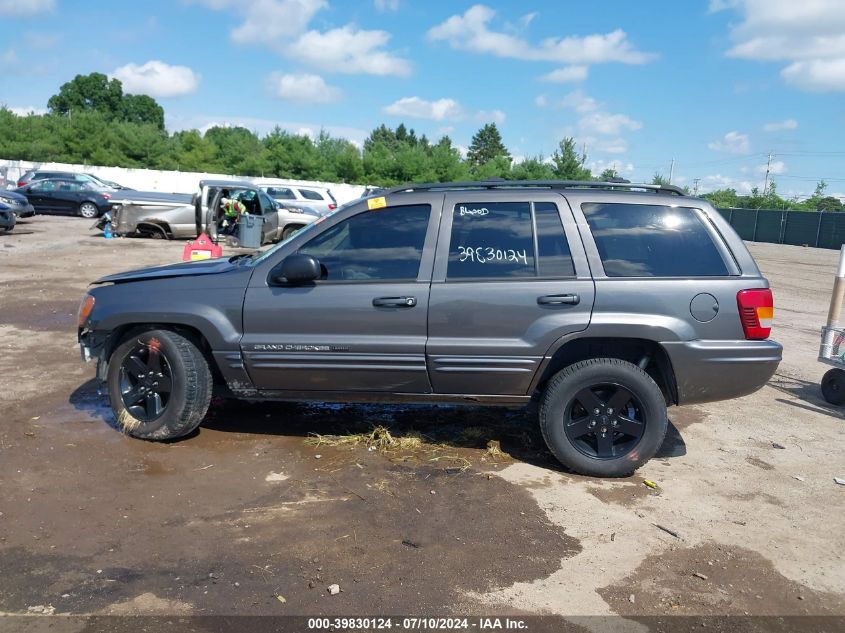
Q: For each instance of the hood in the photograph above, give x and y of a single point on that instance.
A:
(186, 269)
(13, 195)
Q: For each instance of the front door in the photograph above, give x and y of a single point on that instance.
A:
(362, 327)
(511, 277)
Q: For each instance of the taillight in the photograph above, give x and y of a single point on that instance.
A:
(106, 196)
(756, 310)
(332, 207)
(21, 183)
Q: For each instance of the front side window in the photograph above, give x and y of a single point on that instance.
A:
(45, 185)
(383, 244)
(644, 240)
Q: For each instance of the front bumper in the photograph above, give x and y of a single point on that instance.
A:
(706, 371)
(24, 211)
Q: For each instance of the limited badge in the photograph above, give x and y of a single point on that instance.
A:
(376, 203)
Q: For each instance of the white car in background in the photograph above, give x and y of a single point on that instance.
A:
(318, 199)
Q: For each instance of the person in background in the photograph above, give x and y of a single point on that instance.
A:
(232, 210)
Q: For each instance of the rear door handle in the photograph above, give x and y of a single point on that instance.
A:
(553, 300)
(395, 302)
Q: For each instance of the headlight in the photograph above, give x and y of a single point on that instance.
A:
(85, 309)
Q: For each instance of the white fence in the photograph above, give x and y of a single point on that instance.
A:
(156, 180)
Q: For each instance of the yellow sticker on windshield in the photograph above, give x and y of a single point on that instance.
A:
(376, 203)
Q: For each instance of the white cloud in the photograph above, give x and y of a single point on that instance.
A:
(302, 88)
(817, 75)
(808, 35)
(282, 26)
(9, 60)
(274, 22)
(733, 143)
(157, 79)
(417, 108)
(491, 116)
(595, 119)
(609, 146)
(718, 181)
(567, 74)
(24, 8)
(598, 166)
(787, 124)
(609, 124)
(775, 168)
(26, 111)
(349, 50)
(540, 101)
(386, 5)
(470, 31)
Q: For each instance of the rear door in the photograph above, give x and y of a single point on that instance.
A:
(363, 326)
(510, 278)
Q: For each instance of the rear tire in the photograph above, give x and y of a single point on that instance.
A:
(159, 385)
(603, 417)
(833, 386)
(290, 230)
(88, 210)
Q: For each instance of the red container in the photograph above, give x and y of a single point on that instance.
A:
(201, 248)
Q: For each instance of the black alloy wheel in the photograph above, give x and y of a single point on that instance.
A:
(605, 421)
(146, 381)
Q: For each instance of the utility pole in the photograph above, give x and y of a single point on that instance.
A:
(766, 182)
(671, 171)
(695, 186)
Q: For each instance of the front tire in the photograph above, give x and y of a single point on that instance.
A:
(833, 386)
(603, 417)
(88, 210)
(159, 385)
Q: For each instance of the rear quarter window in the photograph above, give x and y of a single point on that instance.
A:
(641, 240)
(308, 194)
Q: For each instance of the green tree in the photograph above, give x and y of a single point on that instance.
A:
(88, 92)
(659, 179)
(723, 198)
(238, 150)
(829, 203)
(568, 164)
(142, 109)
(486, 146)
(608, 174)
(532, 169)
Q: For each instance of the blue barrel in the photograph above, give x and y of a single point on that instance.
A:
(249, 230)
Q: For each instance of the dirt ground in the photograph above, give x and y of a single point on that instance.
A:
(248, 510)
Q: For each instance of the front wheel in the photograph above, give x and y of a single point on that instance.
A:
(603, 417)
(159, 385)
(833, 386)
(88, 210)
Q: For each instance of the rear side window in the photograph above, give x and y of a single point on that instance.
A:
(501, 240)
(280, 193)
(310, 195)
(641, 240)
(384, 244)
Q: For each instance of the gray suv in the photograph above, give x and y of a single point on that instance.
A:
(605, 302)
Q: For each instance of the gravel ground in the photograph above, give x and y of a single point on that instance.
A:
(246, 510)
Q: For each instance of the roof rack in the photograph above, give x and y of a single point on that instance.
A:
(539, 184)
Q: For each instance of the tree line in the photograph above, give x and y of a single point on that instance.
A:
(90, 120)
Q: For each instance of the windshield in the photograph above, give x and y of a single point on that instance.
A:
(262, 255)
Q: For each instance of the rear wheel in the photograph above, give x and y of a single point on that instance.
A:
(833, 386)
(290, 230)
(603, 417)
(88, 210)
(159, 385)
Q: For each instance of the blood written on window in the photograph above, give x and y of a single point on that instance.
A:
(495, 240)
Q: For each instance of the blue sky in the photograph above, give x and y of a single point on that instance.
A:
(716, 84)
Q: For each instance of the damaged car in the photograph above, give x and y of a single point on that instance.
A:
(177, 219)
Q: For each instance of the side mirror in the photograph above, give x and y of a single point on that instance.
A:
(296, 269)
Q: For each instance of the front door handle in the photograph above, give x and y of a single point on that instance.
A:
(395, 302)
(553, 300)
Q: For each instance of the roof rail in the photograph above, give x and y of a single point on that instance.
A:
(539, 184)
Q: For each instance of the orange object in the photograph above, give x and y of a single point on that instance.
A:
(201, 248)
